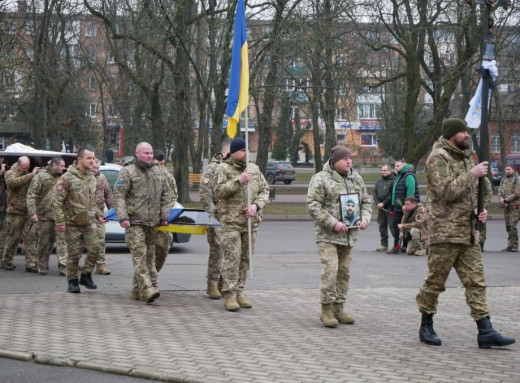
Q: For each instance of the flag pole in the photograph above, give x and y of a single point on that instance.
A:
(250, 245)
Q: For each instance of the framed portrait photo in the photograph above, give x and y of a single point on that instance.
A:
(350, 209)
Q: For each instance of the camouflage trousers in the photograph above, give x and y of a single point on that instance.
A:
(61, 249)
(236, 260)
(416, 243)
(79, 237)
(215, 255)
(3, 234)
(384, 219)
(467, 261)
(20, 227)
(162, 248)
(511, 215)
(483, 235)
(101, 256)
(335, 273)
(46, 237)
(141, 240)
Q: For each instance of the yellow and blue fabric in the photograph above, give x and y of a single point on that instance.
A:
(238, 94)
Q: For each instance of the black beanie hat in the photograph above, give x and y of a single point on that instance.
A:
(237, 144)
(452, 126)
(339, 152)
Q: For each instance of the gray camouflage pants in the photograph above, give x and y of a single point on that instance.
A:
(162, 248)
(335, 274)
(467, 262)
(79, 237)
(511, 216)
(236, 260)
(215, 255)
(18, 227)
(141, 241)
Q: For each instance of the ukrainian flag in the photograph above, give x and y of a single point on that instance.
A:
(238, 94)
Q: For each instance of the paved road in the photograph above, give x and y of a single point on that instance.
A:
(186, 337)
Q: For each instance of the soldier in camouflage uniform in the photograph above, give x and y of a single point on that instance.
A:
(17, 222)
(103, 197)
(207, 197)
(75, 214)
(164, 238)
(452, 200)
(142, 200)
(414, 227)
(334, 239)
(231, 182)
(39, 207)
(509, 196)
(488, 189)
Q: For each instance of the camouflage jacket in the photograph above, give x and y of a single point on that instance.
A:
(452, 195)
(207, 197)
(142, 194)
(3, 191)
(231, 195)
(324, 207)
(74, 198)
(17, 185)
(40, 194)
(103, 193)
(509, 189)
(417, 218)
(488, 189)
(170, 179)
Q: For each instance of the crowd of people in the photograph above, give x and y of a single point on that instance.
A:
(46, 205)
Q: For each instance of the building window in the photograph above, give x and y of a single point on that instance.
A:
(514, 142)
(368, 110)
(91, 110)
(341, 114)
(341, 138)
(289, 84)
(91, 84)
(495, 142)
(29, 27)
(342, 90)
(112, 112)
(90, 29)
(91, 55)
(8, 79)
(111, 59)
(368, 139)
(10, 110)
(10, 28)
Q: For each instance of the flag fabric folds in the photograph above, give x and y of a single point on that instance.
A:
(238, 94)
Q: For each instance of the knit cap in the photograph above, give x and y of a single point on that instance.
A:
(339, 152)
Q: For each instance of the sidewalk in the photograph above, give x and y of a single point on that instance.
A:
(186, 337)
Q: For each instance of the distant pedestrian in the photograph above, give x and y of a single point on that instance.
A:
(383, 200)
(232, 179)
(208, 199)
(414, 227)
(452, 185)
(18, 224)
(39, 207)
(75, 214)
(509, 197)
(109, 155)
(142, 200)
(103, 197)
(164, 238)
(405, 185)
(334, 239)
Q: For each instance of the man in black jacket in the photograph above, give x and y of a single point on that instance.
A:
(383, 201)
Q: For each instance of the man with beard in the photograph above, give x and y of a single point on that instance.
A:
(454, 242)
(509, 196)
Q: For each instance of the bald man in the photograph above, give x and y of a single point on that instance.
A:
(18, 224)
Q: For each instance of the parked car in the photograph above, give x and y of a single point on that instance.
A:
(495, 175)
(115, 233)
(280, 171)
(511, 159)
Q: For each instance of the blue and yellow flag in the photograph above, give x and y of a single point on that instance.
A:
(238, 94)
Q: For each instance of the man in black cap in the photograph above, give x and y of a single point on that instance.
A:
(454, 242)
(231, 182)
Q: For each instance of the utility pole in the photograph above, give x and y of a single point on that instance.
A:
(488, 54)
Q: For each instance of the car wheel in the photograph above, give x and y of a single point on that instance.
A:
(287, 182)
(270, 179)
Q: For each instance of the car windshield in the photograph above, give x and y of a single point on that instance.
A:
(284, 165)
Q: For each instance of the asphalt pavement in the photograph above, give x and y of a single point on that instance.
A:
(186, 337)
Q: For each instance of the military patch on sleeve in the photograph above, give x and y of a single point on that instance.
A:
(119, 182)
(59, 187)
(206, 178)
(442, 168)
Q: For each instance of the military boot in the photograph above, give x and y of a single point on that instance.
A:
(136, 295)
(489, 337)
(327, 315)
(426, 332)
(231, 303)
(102, 269)
(151, 294)
(73, 286)
(213, 291)
(243, 302)
(341, 316)
(86, 280)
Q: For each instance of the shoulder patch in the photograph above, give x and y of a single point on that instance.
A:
(206, 178)
(59, 187)
(119, 182)
(442, 168)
